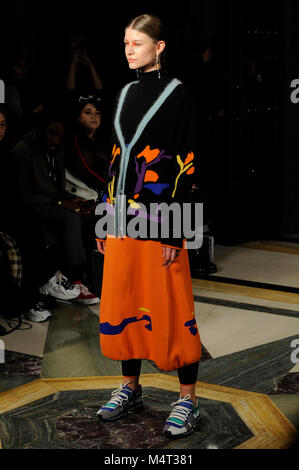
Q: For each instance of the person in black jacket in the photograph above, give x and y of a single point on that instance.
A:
(5, 169)
(52, 215)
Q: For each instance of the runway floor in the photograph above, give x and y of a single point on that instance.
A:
(55, 378)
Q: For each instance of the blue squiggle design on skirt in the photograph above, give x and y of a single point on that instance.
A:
(107, 329)
(190, 324)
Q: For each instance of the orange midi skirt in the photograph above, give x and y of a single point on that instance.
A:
(147, 311)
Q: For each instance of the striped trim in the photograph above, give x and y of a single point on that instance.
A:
(175, 420)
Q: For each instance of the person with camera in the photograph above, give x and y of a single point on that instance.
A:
(82, 73)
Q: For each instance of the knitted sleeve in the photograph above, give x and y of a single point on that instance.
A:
(186, 158)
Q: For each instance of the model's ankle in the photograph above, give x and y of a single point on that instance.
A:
(192, 397)
(133, 384)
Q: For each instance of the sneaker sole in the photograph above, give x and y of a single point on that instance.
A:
(65, 301)
(57, 298)
(122, 414)
(86, 302)
(177, 436)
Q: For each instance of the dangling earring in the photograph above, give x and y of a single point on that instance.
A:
(138, 74)
(158, 66)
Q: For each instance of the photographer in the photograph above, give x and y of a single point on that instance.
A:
(82, 76)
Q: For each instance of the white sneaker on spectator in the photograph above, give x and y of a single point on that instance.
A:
(60, 288)
(85, 297)
(38, 313)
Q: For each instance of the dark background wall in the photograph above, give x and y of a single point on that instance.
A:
(254, 162)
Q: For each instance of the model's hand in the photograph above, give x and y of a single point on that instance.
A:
(101, 246)
(169, 255)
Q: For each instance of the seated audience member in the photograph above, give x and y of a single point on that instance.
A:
(44, 203)
(86, 166)
(28, 299)
(3, 124)
(85, 152)
(6, 179)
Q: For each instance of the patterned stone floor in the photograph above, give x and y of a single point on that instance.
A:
(54, 376)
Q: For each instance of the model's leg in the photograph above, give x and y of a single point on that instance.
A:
(128, 397)
(185, 415)
(131, 373)
(188, 377)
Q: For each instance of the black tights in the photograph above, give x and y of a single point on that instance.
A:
(187, 375)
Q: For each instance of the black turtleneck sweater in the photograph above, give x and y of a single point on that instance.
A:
(155, 173)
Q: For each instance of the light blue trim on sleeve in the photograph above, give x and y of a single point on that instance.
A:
(126, 149)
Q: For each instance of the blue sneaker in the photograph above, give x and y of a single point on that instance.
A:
(184, 418)
(122, 400)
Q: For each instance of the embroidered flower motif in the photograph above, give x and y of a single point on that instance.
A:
(151, 177)
(133, 204)
(111, 199)
(115, 153)
(149, 157)
(185, 167)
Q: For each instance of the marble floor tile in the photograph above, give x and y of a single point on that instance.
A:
(289, 406)
(95, 309)
(258, 369)
(18, 369)
(257, 265)
(73, 347)
(288, 384)
(296, 367)
(227, 330)
(203, 311)
(68, 420)
(29, 339)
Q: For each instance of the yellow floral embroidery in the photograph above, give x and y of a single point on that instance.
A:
(111, 191)
(184, 167)
(133, 204)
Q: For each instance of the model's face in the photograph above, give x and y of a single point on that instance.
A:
(90, 117)
(141, 50)
(2, 126)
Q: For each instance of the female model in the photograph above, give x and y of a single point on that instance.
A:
(147, 309)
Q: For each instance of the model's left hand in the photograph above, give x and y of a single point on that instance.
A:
(169, 255)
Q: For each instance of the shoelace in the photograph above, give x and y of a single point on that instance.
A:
(119, 397)
(83, 289)
(63, 281)
(180, 412)
(40, 306)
